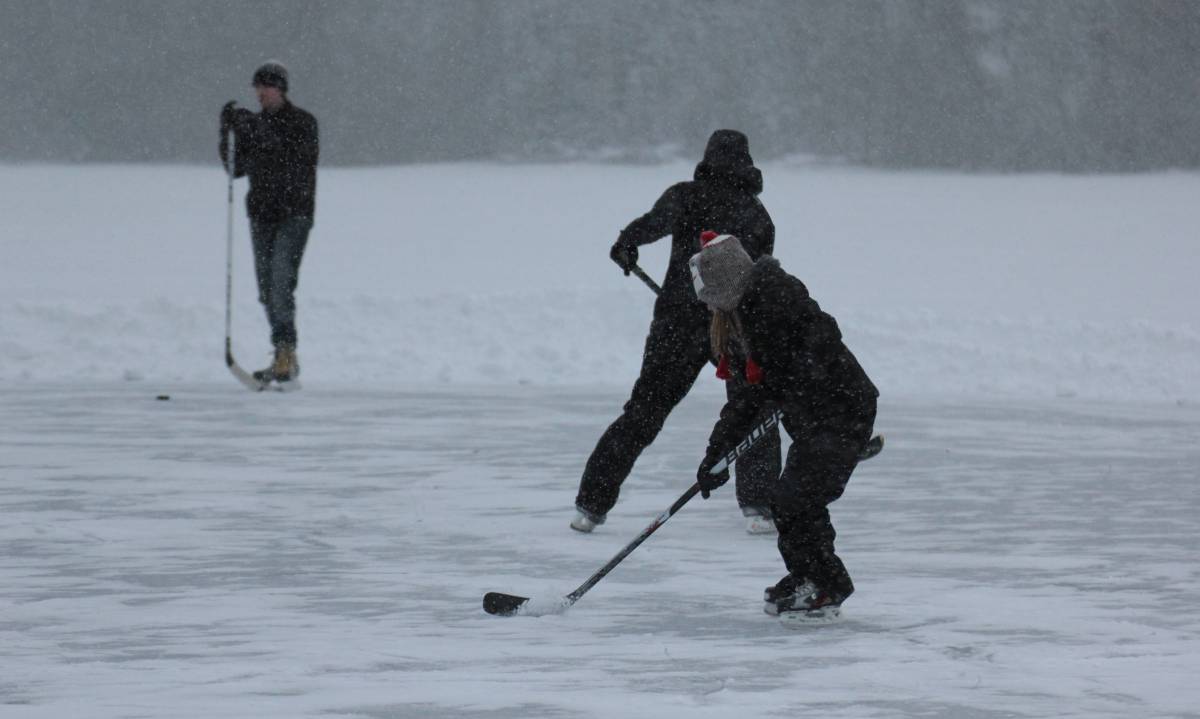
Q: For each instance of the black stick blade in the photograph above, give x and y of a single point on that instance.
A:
(504, 605)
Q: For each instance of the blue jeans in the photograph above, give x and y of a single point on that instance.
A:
(278, 249)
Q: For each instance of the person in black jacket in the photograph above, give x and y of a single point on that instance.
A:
(277, 148)
(766, 325)
(722, 197)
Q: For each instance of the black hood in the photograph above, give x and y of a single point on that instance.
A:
(727, 160)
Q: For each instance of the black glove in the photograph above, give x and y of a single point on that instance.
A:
(706, 479)
(235, 118)
(626, 256)
(228, 111)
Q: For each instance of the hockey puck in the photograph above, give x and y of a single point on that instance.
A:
(163, 396)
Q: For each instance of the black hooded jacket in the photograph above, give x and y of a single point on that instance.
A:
(806, 368)
(722, 197)
(278, 151)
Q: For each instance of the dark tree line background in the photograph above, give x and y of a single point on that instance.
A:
(1074, 85)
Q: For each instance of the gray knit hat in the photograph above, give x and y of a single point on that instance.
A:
(720, 271)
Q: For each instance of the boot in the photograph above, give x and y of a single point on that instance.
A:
(286, 367)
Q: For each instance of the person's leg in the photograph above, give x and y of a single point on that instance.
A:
(756, 471)
(821, 459)
(676, 349)
(262, 240)
(290, 241)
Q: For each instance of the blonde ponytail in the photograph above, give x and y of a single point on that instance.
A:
(724, 328)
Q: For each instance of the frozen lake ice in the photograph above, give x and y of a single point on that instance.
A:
(1025, 546)
(324, 553)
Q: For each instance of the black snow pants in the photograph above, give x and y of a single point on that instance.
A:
(823, 455)
(677, 349)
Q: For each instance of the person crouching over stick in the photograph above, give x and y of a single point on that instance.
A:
(767, 329)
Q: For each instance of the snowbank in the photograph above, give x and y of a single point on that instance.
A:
(945, 285)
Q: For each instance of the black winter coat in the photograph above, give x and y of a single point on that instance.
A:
(278, 151)
(807, 371)
(722, 197)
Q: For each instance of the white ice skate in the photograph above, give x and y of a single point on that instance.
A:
(583, 523)
(758, 524)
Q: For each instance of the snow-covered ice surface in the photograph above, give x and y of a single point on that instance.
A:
(325, 554)
(1024, 547)
(952, 285)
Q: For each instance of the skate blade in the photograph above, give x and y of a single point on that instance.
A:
(824, 615)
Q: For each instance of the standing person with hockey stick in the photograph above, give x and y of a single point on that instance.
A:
(768, 329)
(723, 197)
(277, 148)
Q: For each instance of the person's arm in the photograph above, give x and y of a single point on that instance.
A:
(761, 240)
(307, 143)
(650, 227)
(767, 233)
(239, 121)
(657, 223)
(737, 419)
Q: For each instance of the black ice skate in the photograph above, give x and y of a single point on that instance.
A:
(802, 602)
(783, 588)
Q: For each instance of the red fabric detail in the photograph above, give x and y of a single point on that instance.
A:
(754, 373)
(707, 236)
(723, 368)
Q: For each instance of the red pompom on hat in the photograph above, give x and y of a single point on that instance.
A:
(706, 237)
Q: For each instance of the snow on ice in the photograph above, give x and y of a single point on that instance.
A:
(1024, 547)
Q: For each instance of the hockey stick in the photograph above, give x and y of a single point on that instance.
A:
(874, 445)
(242, 375)
(641, 275)
(507, 605)
(510, 604)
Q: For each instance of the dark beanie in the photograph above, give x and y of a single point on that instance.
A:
(271, 74)
(728, 148)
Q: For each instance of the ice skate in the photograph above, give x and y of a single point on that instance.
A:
(784, 587)
(585, 521)
(758, 522)
(801, 602)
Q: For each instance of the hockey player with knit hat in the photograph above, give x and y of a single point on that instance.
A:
(278, 150)
(768, 330)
